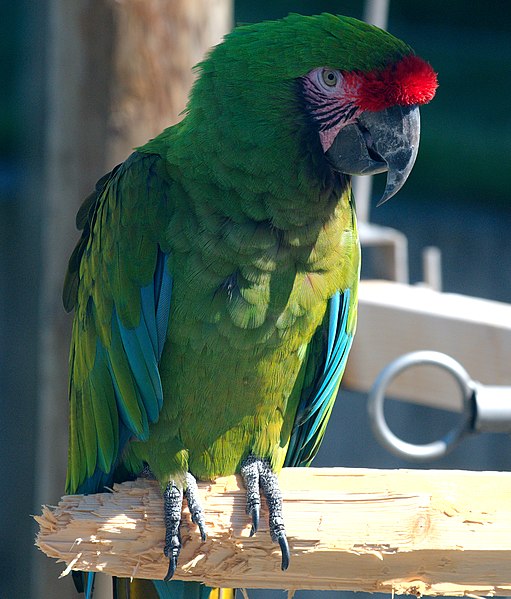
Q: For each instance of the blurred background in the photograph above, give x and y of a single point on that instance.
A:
(63, 124)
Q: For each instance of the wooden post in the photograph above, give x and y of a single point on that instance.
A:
(394, 531)
(118, 73)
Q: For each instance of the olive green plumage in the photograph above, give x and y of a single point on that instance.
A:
(258, 233)
(247, 299)
(215, 282)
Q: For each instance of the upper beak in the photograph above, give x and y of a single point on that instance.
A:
(378, 142)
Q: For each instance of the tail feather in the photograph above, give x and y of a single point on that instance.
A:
(124, 588)
(222, 594)
(89, 589)
(179, 589)
(84, 582)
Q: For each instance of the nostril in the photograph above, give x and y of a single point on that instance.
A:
(369, 142)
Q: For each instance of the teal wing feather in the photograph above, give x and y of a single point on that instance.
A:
(326, 361)
(119, 284)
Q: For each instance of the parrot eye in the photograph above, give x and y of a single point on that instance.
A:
(329, 77)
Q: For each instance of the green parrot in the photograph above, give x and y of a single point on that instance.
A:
(215, 282)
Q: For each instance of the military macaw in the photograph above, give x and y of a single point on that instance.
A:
(215, 281)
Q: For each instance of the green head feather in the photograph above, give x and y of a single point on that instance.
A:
(246, 121)
(290, 47)
(252, 74)
(245, 111)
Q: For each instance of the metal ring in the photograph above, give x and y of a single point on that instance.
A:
(428, 451)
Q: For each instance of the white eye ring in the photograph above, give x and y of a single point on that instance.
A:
(329, 77)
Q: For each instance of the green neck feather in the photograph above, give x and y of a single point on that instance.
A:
(246, 132)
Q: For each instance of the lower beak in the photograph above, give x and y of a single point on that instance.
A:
(378, 142)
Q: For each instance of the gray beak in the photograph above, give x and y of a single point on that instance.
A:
(384, 141)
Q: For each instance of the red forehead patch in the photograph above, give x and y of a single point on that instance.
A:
(409, 81)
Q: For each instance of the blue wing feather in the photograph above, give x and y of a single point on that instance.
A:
(162, 296)
(315, 407)
(144, 366)
(333, 324)
(156, 304)
(148, 309)
(143, 346)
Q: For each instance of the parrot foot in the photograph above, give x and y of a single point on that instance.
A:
(257, 474)
(192, 498)
(172, 505)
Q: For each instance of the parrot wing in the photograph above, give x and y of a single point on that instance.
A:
(326, 360)
(119, 284)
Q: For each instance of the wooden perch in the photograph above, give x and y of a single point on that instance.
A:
(396, 319)
(427, 532)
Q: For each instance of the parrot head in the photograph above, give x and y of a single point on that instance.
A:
(368, 122)
(348, 91)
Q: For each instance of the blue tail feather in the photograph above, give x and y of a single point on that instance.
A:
(179, 589)
(90, 585)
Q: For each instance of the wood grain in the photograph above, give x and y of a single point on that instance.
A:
(401, 531)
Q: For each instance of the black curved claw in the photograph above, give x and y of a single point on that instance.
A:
(254, 512)
(284, 548)
(172, 567)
